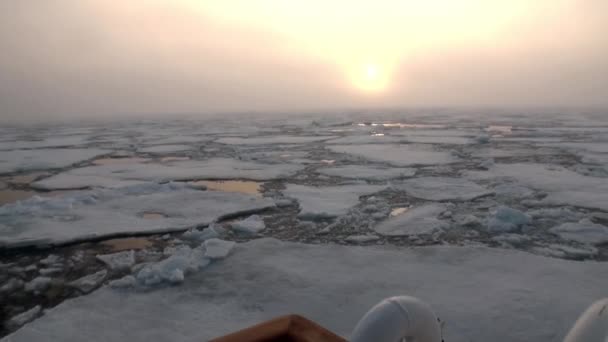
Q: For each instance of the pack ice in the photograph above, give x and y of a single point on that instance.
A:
(398, 155)
(24, 160)
(482, 294)
(443, 189)
(129, 173)
(105, 213)
(327, 202)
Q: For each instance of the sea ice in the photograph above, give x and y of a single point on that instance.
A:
(165, 149)
(505, 219)
(173, 270)
(361, 238)
(251, 225)
(217, 248)
(89, 282)
(38, 284)
(273, 140)
(24, 317)
(365, 139)
(367, 172)
(483, 294)
(416, 221)
(563, 186)
(442, 189)
(327, 202)
(25, 160)
(583, 231)
(216, 168)
(399, 155)
(118, 261)
(107, 213)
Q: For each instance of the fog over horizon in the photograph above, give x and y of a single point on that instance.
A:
(93, 58)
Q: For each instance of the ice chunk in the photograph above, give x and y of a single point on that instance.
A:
(107, 213)
(124, 282)
(89, 282)
(251, 225)
(442, 189)
(173, 270)
(438, 140)
(38, 284)
(361, 238)
(367, 172)
(399, 155)
(165, 149)
(583, 231)
(118, 261)
(49, 271)
(217, 168)
(217, 249)
(11, 285)
(272, 140)
(505, 219)
(202, 235)
(24, 317)
(327, 202)
(415, 221)
(23, 160)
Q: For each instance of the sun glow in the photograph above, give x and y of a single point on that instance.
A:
(370, 77)
(344, 33)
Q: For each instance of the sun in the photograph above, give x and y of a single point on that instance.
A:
(370, 78)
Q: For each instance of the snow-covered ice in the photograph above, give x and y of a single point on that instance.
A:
(399, 155)
(173, 270)
(216, 168)
(564, 187)
(275, 139)
(442, 189)
(361, 238)
(367, 172)
(327, 202)
(165, 149)
(107, 213)
(24, 160)
(217, 248)
(250, 226)
(481, 294)
(416, 221)
(118, 261)
(89, 282)
(583, 231)
(24, 317)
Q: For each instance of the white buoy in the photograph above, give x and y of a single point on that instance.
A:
(398, 318)
(592, 326)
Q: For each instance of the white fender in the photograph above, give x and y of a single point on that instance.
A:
(592, 326)
(398, 318)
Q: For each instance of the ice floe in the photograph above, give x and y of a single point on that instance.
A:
(367, 172)
(271, 140)
(24, 160)
(89, 282)
(118, 261)
(416, 221)
(399, 155)
(165, 149)
(442, 189)
(106, 213)
(327, 202)
(491, 295)
(217, 168)
(583, 231)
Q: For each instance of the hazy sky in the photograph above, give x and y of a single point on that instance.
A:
(62, 58)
